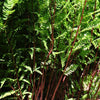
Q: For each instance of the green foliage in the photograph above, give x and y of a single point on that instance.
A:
(70, 69)
(9, 93)
(8, 8)
(41, 40)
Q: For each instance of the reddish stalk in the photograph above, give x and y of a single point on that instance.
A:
(52, 85)
(42, 85)
(75, 36)
(93, 18)
(50, 81)
(91, 36)
(84, 72)
(83, 75)
(52, 44)
(14, 63)
(70, 53)
(15, 92)
(93, 74)
(96, 91)
(33, 57)
(38, 89)
(52, 27)
(49, 85)
(17, 78)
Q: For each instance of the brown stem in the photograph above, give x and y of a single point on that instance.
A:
(49, 84)
(75, 36)
(16, 74)
(97, 90)
(14, 63)
(33, 90)
(37, 90)
(57, 87)
(15, 92)
(93, 74)
(52, 44)
(52, 27)
(93, 18)
(42, 85)
(69, 53)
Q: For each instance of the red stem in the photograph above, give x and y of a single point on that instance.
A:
(52, 27)
(93, 18)
(69, 54)
(93, 74)
(33, 58)
(50, 81)
(97, 90)
(14, 63)
(43, 84)
(37, 90)
(15, 92)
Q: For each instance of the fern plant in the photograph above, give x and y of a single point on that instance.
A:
(49, 49)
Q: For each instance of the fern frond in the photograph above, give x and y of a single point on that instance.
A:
(8, 8)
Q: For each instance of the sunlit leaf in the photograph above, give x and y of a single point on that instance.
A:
(24, 80)
(69, 70)
(6, 94)
(2, 83)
